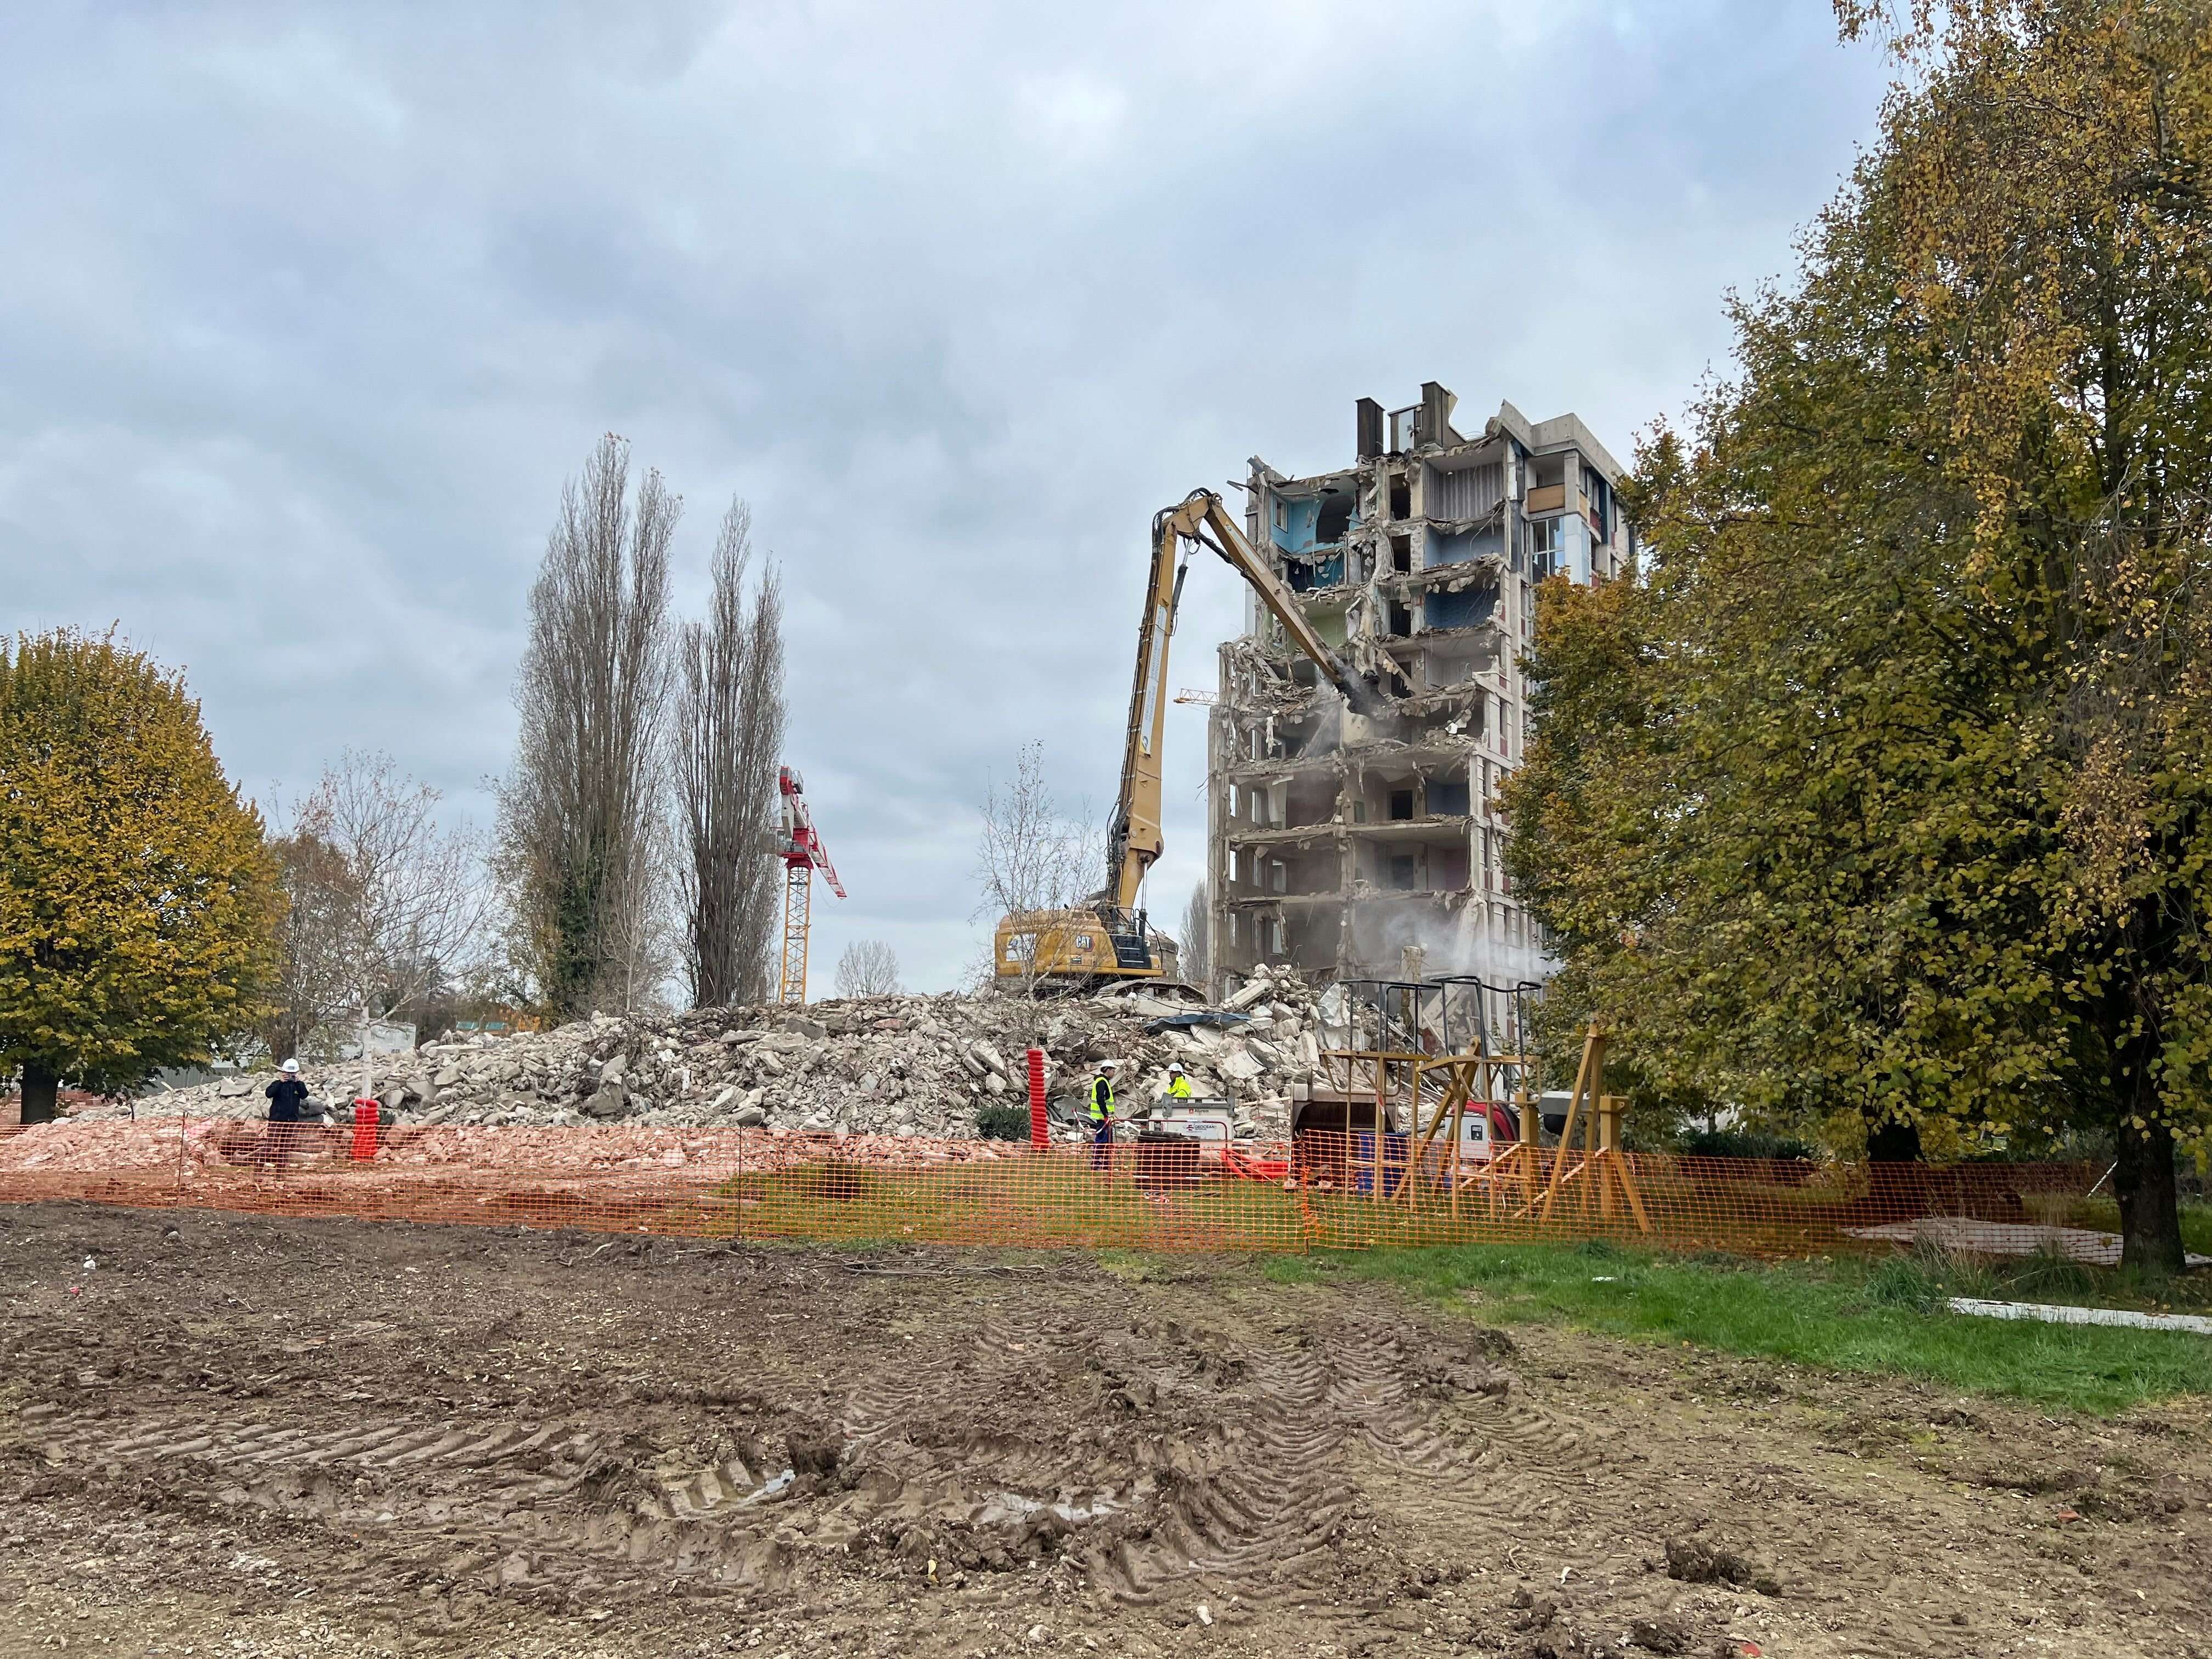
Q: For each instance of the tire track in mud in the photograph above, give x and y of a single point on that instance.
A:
(1504, 1482)
(1322, 1413)
(1176, 1501)
(916, 1467)
(1261, 1525)
(525, 1506)
(1206, 1459)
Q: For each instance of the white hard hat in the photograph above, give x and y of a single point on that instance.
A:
(289, 1065)
(1109, 1065)
(1175, 1066)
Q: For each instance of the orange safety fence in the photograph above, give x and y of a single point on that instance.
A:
(1329, 1190)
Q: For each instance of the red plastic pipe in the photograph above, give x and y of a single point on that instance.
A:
(364, 1130)
(1038, 1135)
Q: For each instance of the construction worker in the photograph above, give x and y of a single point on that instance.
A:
(1102, 1114)
(288, 1102)
(1178, 1082)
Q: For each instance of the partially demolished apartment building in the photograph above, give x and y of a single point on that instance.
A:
(1373, 849)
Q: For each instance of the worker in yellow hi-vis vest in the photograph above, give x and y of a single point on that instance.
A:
(1178, 1082)
(1102, 1114)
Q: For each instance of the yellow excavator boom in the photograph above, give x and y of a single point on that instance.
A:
(1133, 838)
(1110, 939)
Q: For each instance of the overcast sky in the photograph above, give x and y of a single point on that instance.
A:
(306, 312)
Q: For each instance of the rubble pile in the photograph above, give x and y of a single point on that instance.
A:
(911, 1066)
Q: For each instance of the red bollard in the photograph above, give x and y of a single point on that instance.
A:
(364, 1130)
(1037, 1134)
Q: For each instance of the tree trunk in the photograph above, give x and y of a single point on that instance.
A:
(1897, 1175)
(40, 1085)
(2150, 1212)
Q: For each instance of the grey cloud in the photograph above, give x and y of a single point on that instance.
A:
(308, 312)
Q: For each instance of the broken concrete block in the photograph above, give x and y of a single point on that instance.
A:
(1251, 994)
(813, 1029)
(610, 1100)
(749, 1117)
(1238, 1066)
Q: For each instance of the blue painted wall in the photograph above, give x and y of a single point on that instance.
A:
(1464, 609)
(1458, 548)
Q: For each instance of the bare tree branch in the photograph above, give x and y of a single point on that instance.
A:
(1197, 959)
(728, 734)
(580, 816)
(868, 968)
(389, 906)
(1029, 858)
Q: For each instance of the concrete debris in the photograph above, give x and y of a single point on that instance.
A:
(909, 1067)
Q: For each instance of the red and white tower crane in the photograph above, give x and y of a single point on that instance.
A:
(802, 854)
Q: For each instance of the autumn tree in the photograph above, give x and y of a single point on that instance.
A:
(313, 981)
(139, 906)
(1883, 792)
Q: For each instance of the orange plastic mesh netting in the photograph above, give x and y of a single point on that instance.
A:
(1334, 1190)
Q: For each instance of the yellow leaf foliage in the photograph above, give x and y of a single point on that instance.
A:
(137, 904)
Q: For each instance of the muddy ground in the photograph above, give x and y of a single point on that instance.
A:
(237, 1435)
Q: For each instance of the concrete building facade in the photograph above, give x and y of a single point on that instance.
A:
(1357, 848)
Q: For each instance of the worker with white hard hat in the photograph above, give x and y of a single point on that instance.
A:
(288, 1104)
(1178, 1081)
(1102, 1113)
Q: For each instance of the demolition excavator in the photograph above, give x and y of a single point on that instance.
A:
(1108, 938)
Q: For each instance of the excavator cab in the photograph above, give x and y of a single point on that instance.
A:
(1088, 945)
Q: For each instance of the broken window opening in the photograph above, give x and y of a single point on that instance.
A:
(1401, 554)
(1334, 520)
(1307, 575)
(1446, 799)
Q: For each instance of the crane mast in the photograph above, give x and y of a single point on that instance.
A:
(803, 853)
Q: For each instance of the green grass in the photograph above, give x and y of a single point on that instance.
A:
(1847, 1314)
